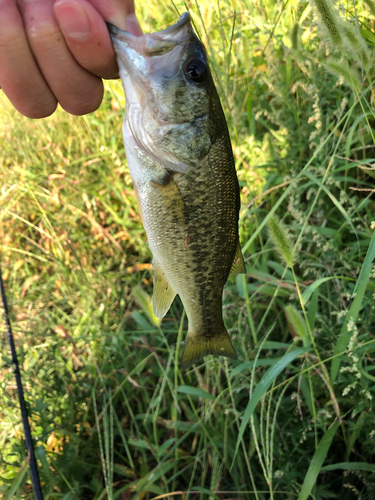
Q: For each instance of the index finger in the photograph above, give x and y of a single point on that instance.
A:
(31, 96)
(120, 13)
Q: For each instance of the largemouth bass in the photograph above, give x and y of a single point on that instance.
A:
(181, 162)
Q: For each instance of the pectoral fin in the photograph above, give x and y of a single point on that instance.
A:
(238, 266)
(163, 292)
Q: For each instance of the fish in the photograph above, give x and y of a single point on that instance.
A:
(181, 162)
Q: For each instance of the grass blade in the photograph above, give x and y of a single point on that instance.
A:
(317, 461)
(262, 387)
(147, 483)
(316, 284)
(333, 198)
(353, 312)
(145, 302)
(18, 480)
(250, 364)
(206, 491)
(350, 466)
(194, 391)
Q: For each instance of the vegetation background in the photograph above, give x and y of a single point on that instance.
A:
(112, 414)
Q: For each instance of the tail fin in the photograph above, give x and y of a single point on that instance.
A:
(197, 346)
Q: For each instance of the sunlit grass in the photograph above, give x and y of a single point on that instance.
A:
(112, 414)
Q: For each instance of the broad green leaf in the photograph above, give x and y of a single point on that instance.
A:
(354, 164)
(317, 462)
(311, 288)
(40, 454)
(350, 466)
(142, 321)
(273, 344)
(164, 447)
(281, 270)
(139, 443)
(258, 274)
(353, 312)
(194, 391)
(250, 364)
(153, 476)
(368, 35)
(269, 289)
(355, 432)
(367, 375)
(262, 387)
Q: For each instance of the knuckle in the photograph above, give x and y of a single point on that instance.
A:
(46, 33)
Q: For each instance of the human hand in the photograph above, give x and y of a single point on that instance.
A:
(57, 52)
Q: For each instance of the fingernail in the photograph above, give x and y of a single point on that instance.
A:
(133, 26)
(73, 20)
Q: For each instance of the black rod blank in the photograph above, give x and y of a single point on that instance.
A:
(26, 427)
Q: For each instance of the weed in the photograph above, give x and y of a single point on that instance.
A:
(112, 415)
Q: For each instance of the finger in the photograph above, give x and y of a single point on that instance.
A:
(77, 90)
(20, 78)
(132, 25)
(91, 47)
(121, 13)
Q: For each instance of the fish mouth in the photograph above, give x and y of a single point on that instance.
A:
(152, 55)
(152, 70)
(131, 49)
(175, 28)
(170, 32)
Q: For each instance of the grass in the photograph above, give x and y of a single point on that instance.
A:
(111, 413)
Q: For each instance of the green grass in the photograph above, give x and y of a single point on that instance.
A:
(111, 413)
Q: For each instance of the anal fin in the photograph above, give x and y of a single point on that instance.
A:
(163, 292)
(197, 346)
(238, 266)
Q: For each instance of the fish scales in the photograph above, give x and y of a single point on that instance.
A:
(180, 158)
(197, 226)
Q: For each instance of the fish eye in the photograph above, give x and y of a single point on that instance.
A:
(196, 71)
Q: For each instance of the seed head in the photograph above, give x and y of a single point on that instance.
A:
(297, 324)
(294, 36)
(282, 241)
(347, 73)
(330, 21)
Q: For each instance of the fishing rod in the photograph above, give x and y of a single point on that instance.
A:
(26, 427)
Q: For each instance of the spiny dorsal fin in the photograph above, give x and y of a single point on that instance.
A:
(197, 346)
(163, 292)
(238, 266)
